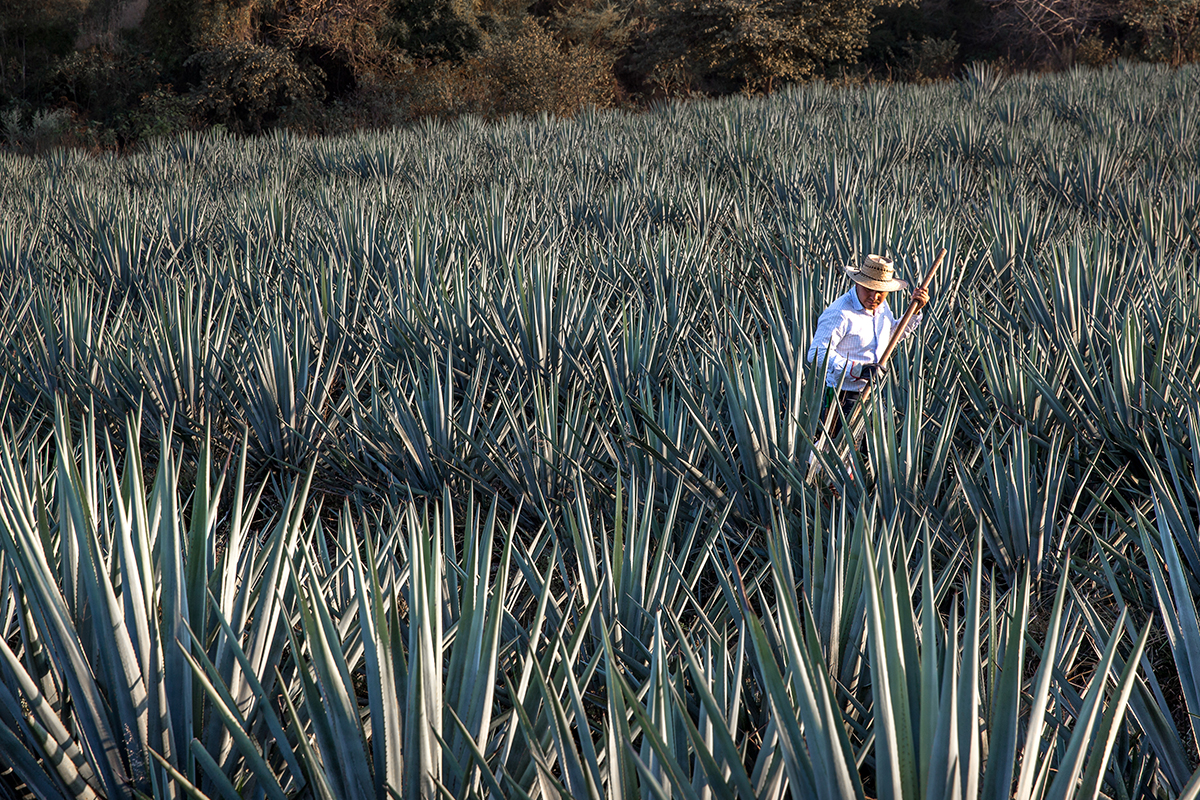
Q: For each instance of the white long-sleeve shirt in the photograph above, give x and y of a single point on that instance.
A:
(853, 337)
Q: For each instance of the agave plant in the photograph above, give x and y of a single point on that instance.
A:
(516, 417)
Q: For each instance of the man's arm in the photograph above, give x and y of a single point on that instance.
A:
(830, 330)
(921, 298)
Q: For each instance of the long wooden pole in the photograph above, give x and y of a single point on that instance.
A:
(898, 334)
(865, 395)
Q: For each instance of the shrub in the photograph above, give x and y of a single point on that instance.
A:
(603, 25)
(1095, 51)
(40, 131)
(444, 89)
(104, 85)
(533, 72)
(929, 58)
(160, 112)
(753, 45)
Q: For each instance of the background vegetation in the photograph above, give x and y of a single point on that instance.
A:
(111, 73)
(469, 456)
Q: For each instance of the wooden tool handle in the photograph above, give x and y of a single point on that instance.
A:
(898, 334)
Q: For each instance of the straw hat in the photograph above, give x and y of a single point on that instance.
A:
(876, 273)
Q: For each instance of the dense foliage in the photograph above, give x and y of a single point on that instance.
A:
(470, 457)
(112, 73)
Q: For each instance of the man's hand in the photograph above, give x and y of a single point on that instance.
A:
(872, 372)
(921, 297)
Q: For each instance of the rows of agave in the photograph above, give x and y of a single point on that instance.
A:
(469, 459)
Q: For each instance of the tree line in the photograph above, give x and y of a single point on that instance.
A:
(108, 73)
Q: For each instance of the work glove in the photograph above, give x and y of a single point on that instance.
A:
(872, 373)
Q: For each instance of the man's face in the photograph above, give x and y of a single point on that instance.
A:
(870, 298)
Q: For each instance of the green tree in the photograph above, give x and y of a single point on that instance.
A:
(434, 30)
(346, 39)
(34, 34)
(175, 30)
(169, 30)
(756, 44)
(602, 24)
(246, 86)
(1170, 28)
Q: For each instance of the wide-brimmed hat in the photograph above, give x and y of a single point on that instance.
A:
(876, 273)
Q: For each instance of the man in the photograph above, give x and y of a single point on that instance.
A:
(855, 329)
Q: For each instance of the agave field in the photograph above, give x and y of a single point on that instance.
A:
(468, 459)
